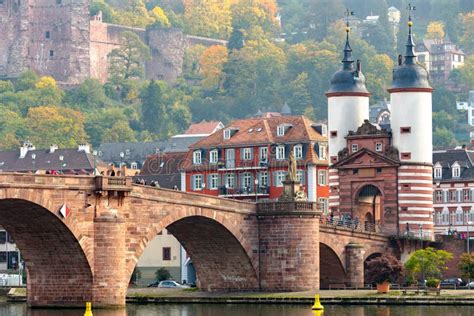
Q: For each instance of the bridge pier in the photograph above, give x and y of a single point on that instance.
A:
(110, 284)
(289, 246)
(355, 265)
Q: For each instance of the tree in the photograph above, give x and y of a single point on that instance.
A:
(385, 268)
(466, 265)
(212, 61)
(162, 274)
(467, 38)
(208, 18)
(119, 132)
(108, 14)
(435, 30)
(127, 62)
(61, 126)
(443, 138)
(427, 263)
(467, 72)
(26, 81)
(299, 98)
(161, 20)
(99, 121)
(249, 15)
(87, 96)
(154, 114)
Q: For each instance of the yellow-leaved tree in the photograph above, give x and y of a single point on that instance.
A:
(467, 38)
(435, 30)
(212, 61)
(208, 17)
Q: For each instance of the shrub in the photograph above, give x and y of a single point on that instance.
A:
(432, 282)
(162, 274)
(385, 268)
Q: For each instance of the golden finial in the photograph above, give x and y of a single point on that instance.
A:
(410, 23)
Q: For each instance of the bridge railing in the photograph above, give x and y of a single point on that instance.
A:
(103, 183)
(287, 207)
(354, 225)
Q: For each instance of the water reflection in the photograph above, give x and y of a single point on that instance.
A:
(247, 310)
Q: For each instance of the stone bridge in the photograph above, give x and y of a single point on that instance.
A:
(90, 253)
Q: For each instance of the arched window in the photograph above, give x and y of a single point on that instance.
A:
(134, 165)
(456, 170)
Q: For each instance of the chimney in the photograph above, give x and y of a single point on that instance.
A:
(85, 148)
(27, 146)
(52, 148)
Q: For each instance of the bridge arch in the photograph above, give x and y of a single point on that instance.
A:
(220, 247)
(52, 251)
(331, 268)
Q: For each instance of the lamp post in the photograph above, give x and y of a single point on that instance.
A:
(94, 153)
(122, 154)
(256, 190)
(33, 157)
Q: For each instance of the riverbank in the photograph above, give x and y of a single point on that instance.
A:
(329, 297)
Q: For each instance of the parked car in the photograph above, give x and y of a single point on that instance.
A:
(452, 283)
(470, 285)
(167, 284)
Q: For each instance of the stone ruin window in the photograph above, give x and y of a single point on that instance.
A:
(51, 53)
(47, 34)
(59, 1)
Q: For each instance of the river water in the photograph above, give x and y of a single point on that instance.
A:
(247, 310)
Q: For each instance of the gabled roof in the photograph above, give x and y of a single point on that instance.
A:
(447, 158)
(256, 131)
(204, 128)
(382, 159)
(64, 160)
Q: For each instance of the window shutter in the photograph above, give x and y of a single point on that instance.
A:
(316, 149)
(251, 153)
(204, 156)
(305, 150)
(192, 182)
(273, 150)
(219, 153)
(287, 151)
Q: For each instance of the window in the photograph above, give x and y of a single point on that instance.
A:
(197, 157)
(323, 204)
(452, 195)
(298, 151)
(197, 183)
(230, 158)
(467, 195)
(445, 217)
(280, 152)
(322, 177)
(355, 148)
(227, 134)
(280, 176)
(3, 256)
(213, 181)
(445, 196)
(355, 171)
(405, 130)
(378, 147)
(263, 179)
(438, 172)
(166, 253)
(263, 154)
(323, 152)
(281, 130)
(51, 53)
(459, 217)
(300, 176)
(134, 165)
(230, 181)
(406, 156)
(438, 196)
(247, 154)
(47, 34)
(127, 152)
(246, 182)
(59, 1)
(213, 156)
(3, 237)
(333, 133)
(456, 172)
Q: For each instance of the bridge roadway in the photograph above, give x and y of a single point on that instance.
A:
(90, 254)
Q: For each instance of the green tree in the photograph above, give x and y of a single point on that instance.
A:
(119, 132)
(443, 138)
(466, 265)
(99, 121)
(467, 38)
(127, 62)
(61, 126)
(108, 14)
(26, 81)
(162, 274)
(427, 263)
(154, 114)
(299, 98)
(87, 96)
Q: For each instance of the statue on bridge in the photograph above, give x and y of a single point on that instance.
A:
(292, 190)
(292, 167)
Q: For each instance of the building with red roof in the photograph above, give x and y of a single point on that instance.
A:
(248, 159)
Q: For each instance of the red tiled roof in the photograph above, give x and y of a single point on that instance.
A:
(202, 128)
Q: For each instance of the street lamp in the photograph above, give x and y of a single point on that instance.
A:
(122, 154)
(256, 190)
(94, 153)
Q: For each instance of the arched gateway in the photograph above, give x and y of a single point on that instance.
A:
(88, 250)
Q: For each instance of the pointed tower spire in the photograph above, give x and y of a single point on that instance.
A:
(347, 61)
(410, 52)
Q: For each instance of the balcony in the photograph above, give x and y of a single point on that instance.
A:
(232, 164)
(243, 192)
(123, 184)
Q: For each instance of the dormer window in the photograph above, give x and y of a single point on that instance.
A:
(281, 130)
(197, 157)
(227, 134)
(456, 169)
(438, 171)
